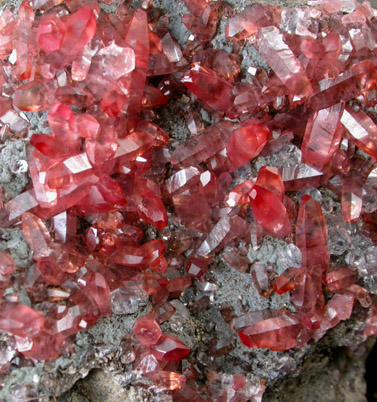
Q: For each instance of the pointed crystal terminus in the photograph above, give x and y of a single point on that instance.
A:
(137, 39)
(311, 235)
(361, 130)
(277, 333)
(284, 63)
(352, 196)
(270, 179)
(270, 212)
(249, 21)
(170, 349)
(209, 87)
(322, 136)
(246, 143)
(204, 146)
(147, 330)
(18, 319)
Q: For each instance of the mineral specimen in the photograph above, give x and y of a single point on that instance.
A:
(120, 212)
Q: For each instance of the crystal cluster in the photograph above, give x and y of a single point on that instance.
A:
(106, 176)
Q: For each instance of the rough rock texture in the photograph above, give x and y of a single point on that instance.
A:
(330, 371)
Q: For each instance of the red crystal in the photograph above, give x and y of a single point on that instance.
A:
(70, 320)
(88, 126)
(270, 179)
(23, 41)
(50, 271)
(170, 349)
(246, 143)
(209, 87)
(196, 267)
(149, 254)
(96, 288)
(105, 162)
(137, 39)
(270, 212)
(311, 236)
(359, 78)
(307, 295)
(288, 280)
(226, 230)
(151, 209)
(202, 148)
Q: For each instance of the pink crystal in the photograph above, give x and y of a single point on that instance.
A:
(261, 274)
(18, 319)
(237, 260)
(226, 230)
(371, 321)
(279, 333)
(340, 278)
(43, 346)
(163, 312)
(37, 235)
(7, 266)
(346, 86)
(50, 271)
(116, 61)
(249, 21)
(168, 380)
(283, 62)
(361, 129)
(352, 200)
(322, 136)
(51, 32)
(23, 39)
(339, 308)
(32, 97)
(147, 330)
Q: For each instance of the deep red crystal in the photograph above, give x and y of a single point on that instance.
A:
(170, 349)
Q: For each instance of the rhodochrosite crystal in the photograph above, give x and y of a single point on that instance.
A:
(122, 213)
